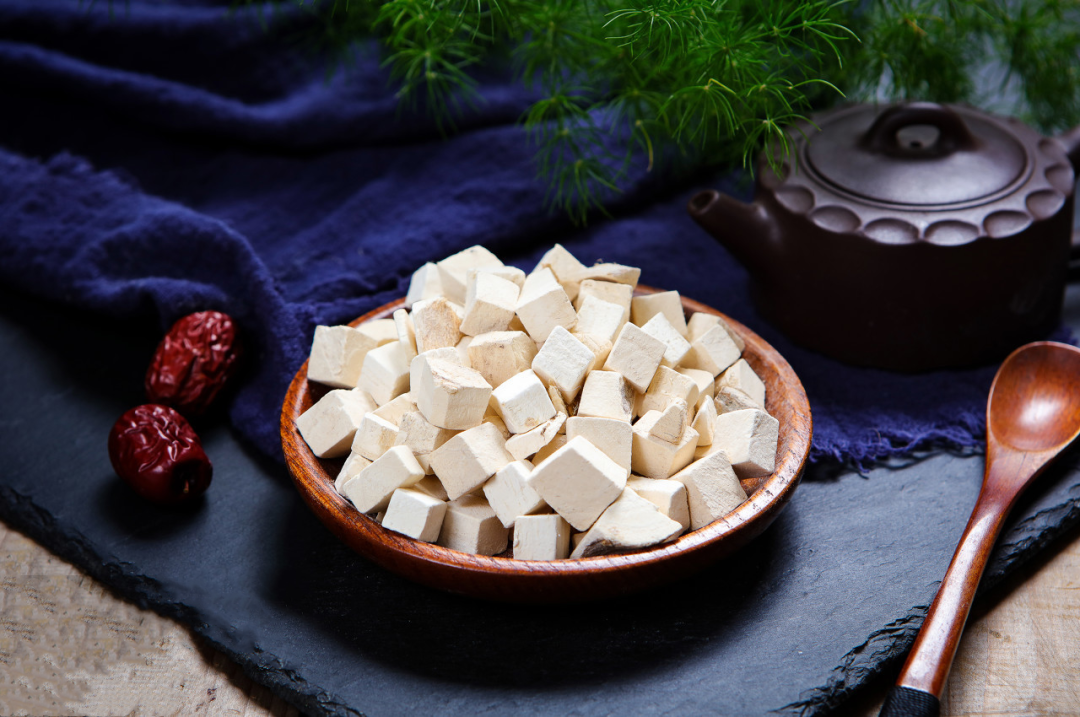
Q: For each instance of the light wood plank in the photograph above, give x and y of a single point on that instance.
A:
(68, 646)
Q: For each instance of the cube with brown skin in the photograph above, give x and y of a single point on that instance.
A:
(630, 522)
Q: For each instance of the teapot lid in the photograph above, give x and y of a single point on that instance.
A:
(916, 156)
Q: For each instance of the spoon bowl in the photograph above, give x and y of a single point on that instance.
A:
(1032, 405)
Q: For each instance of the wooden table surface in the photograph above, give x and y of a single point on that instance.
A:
(70, 647)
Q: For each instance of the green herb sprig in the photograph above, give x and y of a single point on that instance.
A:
(701, 82)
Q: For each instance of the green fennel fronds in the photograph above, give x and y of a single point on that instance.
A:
(633, 84)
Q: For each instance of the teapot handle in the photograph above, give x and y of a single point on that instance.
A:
(953, 133)
(1071, 140)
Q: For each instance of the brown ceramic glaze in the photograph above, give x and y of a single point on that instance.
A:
(908, 237)
(1032, 415)
(505, 579)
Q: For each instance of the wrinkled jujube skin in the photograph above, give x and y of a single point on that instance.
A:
(193, 362)
(157, 452)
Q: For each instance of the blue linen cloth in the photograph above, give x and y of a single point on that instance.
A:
(162, 157)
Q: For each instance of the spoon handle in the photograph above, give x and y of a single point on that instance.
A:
(935, 646)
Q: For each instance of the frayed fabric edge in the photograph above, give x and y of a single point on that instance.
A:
(892, 446)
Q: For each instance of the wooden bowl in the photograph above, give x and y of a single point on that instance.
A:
(505, 579)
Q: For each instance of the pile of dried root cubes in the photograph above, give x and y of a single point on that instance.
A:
(555, 405)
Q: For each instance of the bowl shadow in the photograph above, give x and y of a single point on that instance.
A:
(361, 607)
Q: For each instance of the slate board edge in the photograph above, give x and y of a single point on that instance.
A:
(22, 513)
(884, 650)
(879, 654)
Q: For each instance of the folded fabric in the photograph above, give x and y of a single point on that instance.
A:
(169, 157)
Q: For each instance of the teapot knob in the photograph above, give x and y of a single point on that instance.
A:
(953, 134)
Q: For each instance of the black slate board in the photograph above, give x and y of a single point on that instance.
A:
(828, 597)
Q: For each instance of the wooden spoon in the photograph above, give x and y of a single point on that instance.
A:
(1032, 415)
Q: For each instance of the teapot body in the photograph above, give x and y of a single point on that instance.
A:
(859, 270)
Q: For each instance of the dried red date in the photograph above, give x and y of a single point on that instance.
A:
(193, 362)
(156, 451)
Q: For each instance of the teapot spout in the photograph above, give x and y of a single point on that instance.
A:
(746, 230)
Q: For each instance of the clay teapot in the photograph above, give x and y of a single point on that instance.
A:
(908, 237)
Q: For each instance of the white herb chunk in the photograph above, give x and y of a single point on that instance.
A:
(405, 333)
(425, 284)
(374, 436)
(713, 351)
(668, 303)
(421, 437)
(523, 402)
(349, 470)
(386, 372)
(471, 526)
(436, 324)
(453, 270)
(490, 302)
(654, 457)
(498, 355)
(523, 445)
(712, 487)
(371, 489)
(667, 495)
(329, 426)
(337, 355)
(636, 356)
(607, 394)
(563, 362)
(541, 537)
(510, 495)
(543, 305)
(415, 514)
(677, 347)
(742, 377)
(748, 438)
(449, 396)
(612, 436)
(466, 461)
(578, 481)
(599, 318)
(630, 522)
